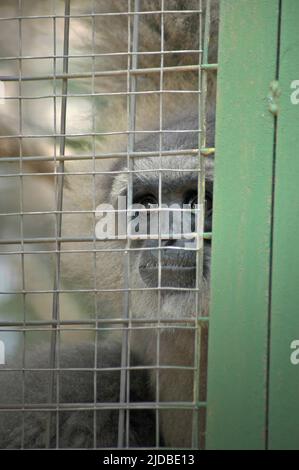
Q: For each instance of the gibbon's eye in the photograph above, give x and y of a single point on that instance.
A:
(192, 199)
(208, 204)
(146, 200)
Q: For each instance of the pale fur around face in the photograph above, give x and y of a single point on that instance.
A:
(79, 270)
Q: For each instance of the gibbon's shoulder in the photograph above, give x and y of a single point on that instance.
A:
(86, 391)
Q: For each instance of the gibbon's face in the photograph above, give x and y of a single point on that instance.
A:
(178, 189)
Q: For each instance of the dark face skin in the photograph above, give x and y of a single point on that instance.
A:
(178, 266)
(179, 185)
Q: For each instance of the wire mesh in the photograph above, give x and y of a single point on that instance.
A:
(90, 90)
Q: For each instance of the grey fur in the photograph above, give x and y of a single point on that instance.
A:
(176, 345)
(76, 387)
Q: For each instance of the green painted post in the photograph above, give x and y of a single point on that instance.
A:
(238, 334)
(284, 377)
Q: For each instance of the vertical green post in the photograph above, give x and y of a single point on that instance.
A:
(237, 377)
(284, 377)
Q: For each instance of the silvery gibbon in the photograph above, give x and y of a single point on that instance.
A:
(160, 288)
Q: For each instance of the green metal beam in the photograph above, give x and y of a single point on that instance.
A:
(284, 377)
(238, 336)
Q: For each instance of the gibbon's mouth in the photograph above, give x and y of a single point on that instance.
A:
(168, 267)
(172, 275)
(178, 269)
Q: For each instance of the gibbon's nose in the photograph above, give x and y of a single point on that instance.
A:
(173, 242)
(168, 242)
(172, 256)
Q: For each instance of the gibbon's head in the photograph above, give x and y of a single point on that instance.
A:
(173, 181)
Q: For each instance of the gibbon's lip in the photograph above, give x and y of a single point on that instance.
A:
(168, 267)
(172, 275)
(176, 270)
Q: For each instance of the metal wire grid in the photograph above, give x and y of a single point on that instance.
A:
(126, 324)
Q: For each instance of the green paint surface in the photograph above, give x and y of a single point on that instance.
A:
(237, 377)
(284, 377)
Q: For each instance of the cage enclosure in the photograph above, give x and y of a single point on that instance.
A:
(122, 324)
